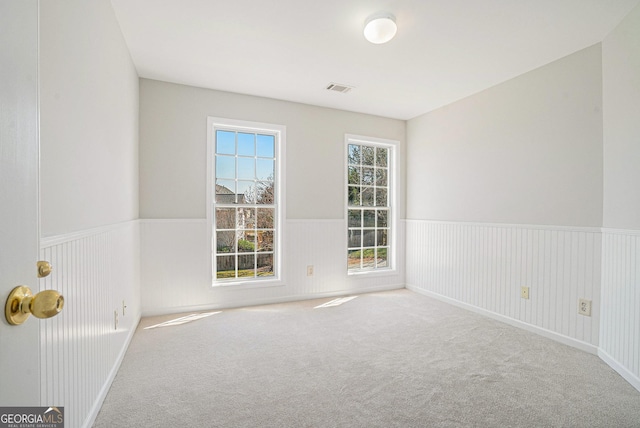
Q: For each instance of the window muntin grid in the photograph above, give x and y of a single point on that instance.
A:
(368, 207)
(244, 208)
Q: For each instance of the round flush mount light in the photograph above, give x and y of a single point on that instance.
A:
(380, 28)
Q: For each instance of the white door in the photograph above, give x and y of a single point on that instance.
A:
(19, 234)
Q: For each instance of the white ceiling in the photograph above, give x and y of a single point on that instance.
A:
(292, 49)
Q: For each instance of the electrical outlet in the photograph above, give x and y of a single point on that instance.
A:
(310, 270)
(123, 307)
(584, 307)
(524, 292)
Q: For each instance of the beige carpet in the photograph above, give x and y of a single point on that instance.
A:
(392, 359)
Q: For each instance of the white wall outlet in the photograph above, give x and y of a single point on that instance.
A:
(310, 270)
(584, 307)
(524, 292)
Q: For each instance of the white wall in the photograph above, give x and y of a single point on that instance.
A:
(482, 266)
(89, 118)
(176, 278)
(175, 245)
(505, 190)
(89, 178)
(527, 151)
(620, 327)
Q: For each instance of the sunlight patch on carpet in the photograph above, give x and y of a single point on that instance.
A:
(336, 302)
(183, 320)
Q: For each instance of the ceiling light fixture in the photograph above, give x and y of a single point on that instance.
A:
(380, 28)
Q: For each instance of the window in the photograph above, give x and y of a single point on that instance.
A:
(369, 204)
(245, 200)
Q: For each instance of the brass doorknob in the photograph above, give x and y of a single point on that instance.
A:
(21, 303)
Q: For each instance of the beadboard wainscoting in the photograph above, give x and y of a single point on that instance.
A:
(176, 274)
(483, 266)
(620, 307)
(97, 271)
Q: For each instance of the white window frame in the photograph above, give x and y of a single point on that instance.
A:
(393, 147)
(213, 124)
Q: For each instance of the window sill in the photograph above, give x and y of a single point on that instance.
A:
(379, 272)
(247, 284)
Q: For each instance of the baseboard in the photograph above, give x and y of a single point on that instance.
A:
(268, 301)
(97, 404)
(587, 347)
(622, 371)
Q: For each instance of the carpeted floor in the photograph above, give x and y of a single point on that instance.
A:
(392, 359)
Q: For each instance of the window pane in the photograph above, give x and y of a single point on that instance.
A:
(246, 218)
(381, 156)
(353, 260)
(354, 175)
(246, 192)
(382, 259)
(382, 218)
(225, 218)
(382, 238)
(381, 197)
(225, 267)
(368, 176)
(265, 218)
(265, 265)
(246, 168)
(225, 167)
(368, 258)
(246, 144)
(354, 196)
(354, 154)
(246, 265)
(367, 196)
(225, 242)
(266, 145)
(381, 177)
(265, 192)
(355, 219)
(265, 240)
(226, 142)
(355, 238)
(266, 169)
(225, 192)
(369, 218)
(246, 243)
(245, 172)
(369, 238)
(368, 155)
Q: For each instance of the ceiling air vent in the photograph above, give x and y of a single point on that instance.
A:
(338, 87)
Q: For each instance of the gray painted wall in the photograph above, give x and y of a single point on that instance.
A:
(621, 104)
(527, 151)
(88, 118)
(173, 147)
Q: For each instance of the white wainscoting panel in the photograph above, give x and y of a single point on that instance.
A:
(176, 277)
(620, 314)
(95, 271)
(483, 266)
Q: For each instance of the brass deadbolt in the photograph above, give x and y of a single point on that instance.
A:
(21, 303)
(44, 269)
